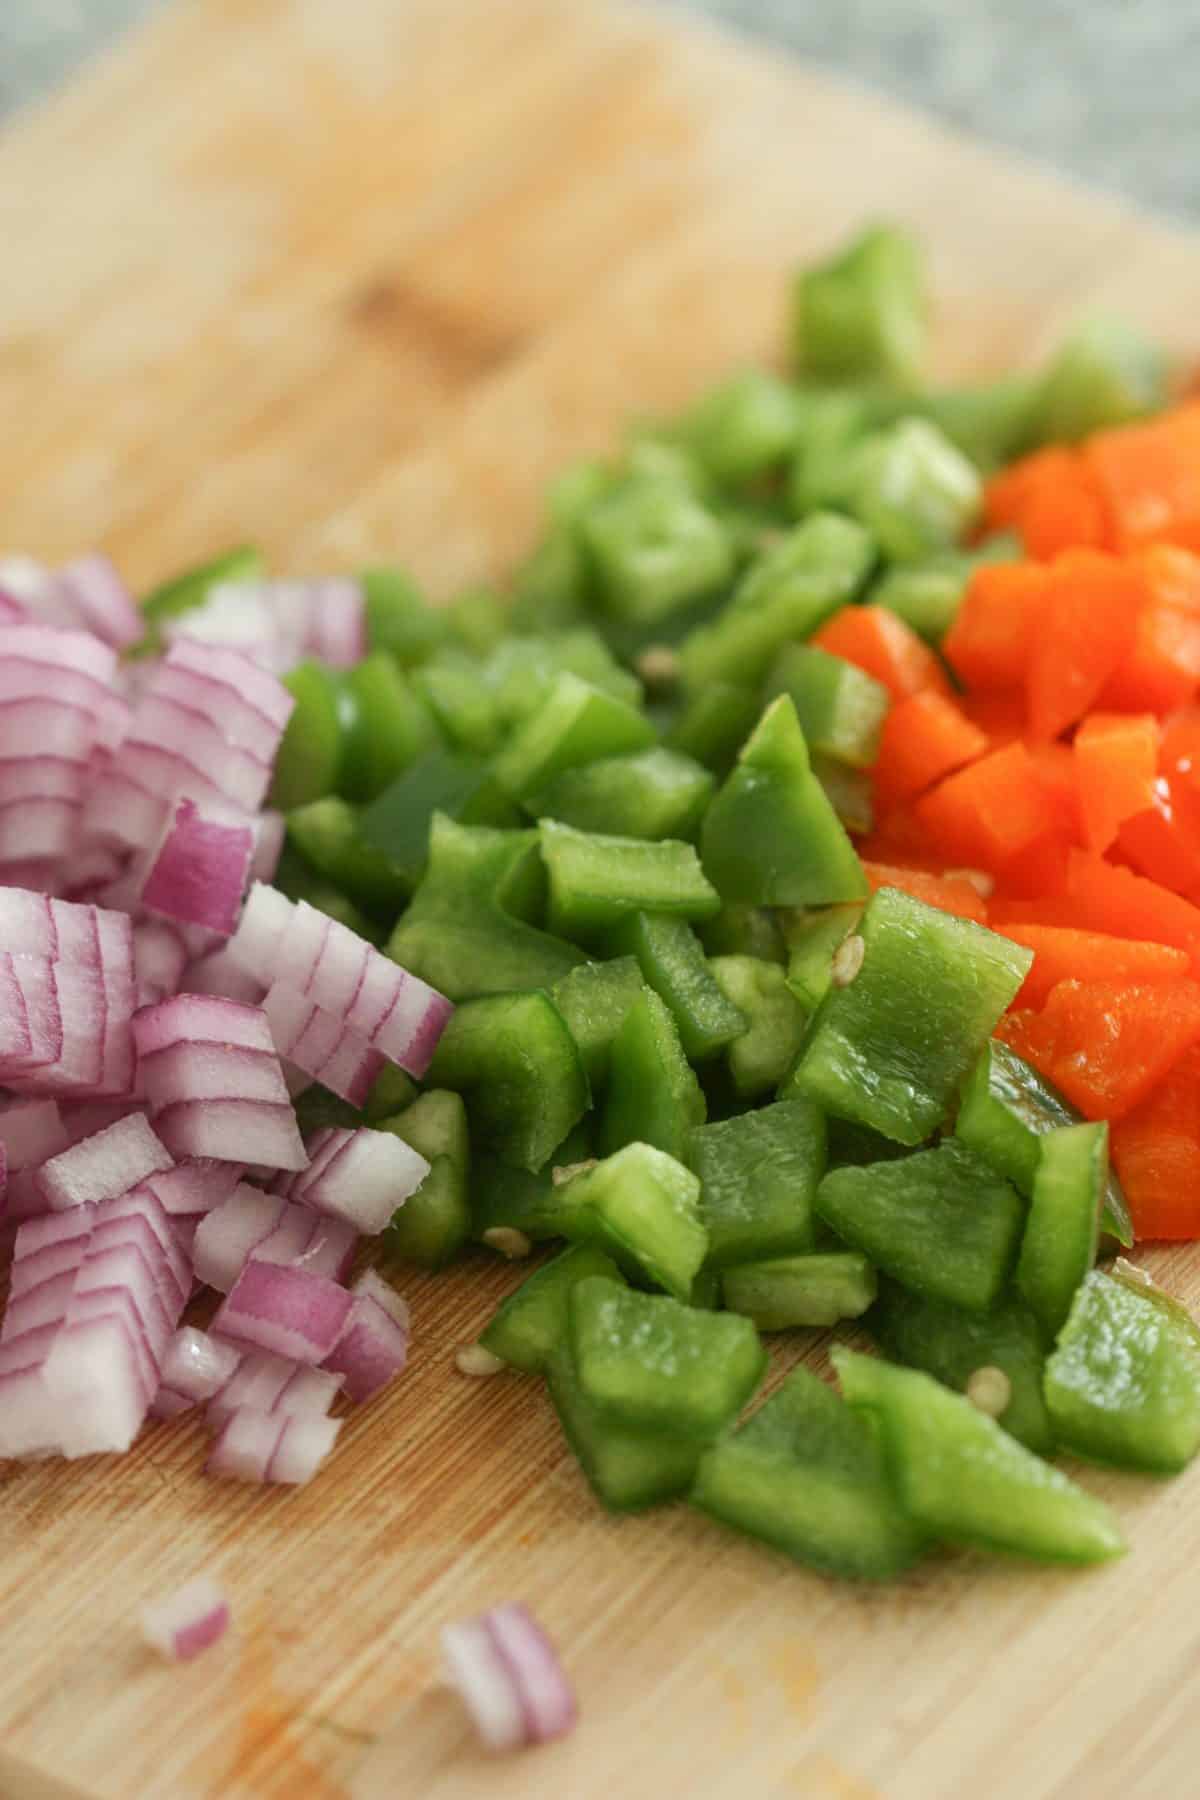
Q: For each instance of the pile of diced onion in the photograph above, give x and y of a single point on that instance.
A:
(161, 1005)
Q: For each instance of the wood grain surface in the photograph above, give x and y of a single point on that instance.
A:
(355, 276)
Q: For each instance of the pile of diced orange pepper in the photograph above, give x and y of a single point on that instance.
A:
(1054, 794)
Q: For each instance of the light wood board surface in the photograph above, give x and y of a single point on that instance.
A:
(355, 276)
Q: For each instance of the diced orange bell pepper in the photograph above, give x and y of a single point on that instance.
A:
(924, 737)
(990, 811)
(1103, 897)
(880, 642)
(1084, 633)
(1116, 765)
(1163, 841)
(1156, 1152)
(1179, 754)
(999, 714)
(1063, 954)
(1149, 475)
(1162, 671)
(1005, 910)
(1106, 1044)
(1056, 766)
(991, 639)
(1053, 500)
(953, 893)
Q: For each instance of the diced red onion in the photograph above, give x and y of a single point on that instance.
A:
(276, 1447)
(510, 1678)
(190, 1620)
(371, 1351)
(221, 974)
(201, 1019)
(232, 769)
(101, 600)
(32, 1132)
(16, 1039)
(94, 1388)
(194, 1188)
(159, 957)
(230, 1233)
(195, 1366)
(59, 650)
(260, 1131)
(210, 1073)
(360, 1175)
(304, 1239)
(284, 1310)
(320, 1044)
(337, 623)
(272, 1384)
(250, 705)
(270, 835)
(43, 1304)
(83, 1118)
(103, 1166)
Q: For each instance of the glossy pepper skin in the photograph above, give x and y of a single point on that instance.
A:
(514, 1061)
(892, 1047)
(653, 1095)
(673, 963)
(759, 1172)
(770, 836)
(435, 1222)
(643, 1207)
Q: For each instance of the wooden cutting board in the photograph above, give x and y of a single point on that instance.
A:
(355, 276)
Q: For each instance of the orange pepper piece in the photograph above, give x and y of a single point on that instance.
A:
(1061, 953)
(1106, 1044)
(1116, 765)
(881, 643)
(924, 737)
(1156, 1152)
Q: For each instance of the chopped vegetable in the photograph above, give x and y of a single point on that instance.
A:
(190, 1620)
(510, 1679)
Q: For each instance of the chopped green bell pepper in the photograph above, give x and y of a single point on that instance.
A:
(863, 313)
(770, 837)
(577, 723)
(745, 428)
(760, 1056)
(951, 1344)
(537, 1205)
(455, 689)
(1123, 1384)
(841, 709)
(991, 422)
(758, 1179)
(713, 723)
(643, 1207)
(941, 1222)
(528, 1327)
(739, 930)
(806, 1474)
(399, 823)
(597, 880)
(651, 794)
(958, 1475)
(435, 1222)
(300, 881)
(1006, 1109)
(391, 1091)
(522, 671)
(594, 1000)
(849, 791)
(813, 938)
(818, 1288)
(655, 1364)
(479, 619)
(891, 1048)
(389, 725)
(653, 547)
(308, 763)
(398, 619)
(514, 1061)
(653, 1096)
(1104, 374)
(1063, 1226)
(673, 964)
(913, 490)
(326, 834)
(627, 1470)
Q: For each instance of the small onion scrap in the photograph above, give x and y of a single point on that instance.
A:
(510, 1678)
(185, 1622)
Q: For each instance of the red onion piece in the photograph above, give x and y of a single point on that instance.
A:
(230, 1233)
(284, 1310)
(194, 1188)
(510, 1678)
(59, 651)
(201, 1019)
(191, 734)
(83, 1118)
(103, 1166)
(361, 1176)
(272, 1384)
(212, 1078)
(159, 959)
(32, 1131)
(270, 836)
(320, 1044)
(250, 705)
(190, 1620)
(260, 1131)
(371, 1351)
(277, 1447)
(222, 975)
(16, 1039)
(93, 1385)
(101, 600)
(337, 623)
(197, 1365)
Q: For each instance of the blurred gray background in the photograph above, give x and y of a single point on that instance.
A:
(1098, 87)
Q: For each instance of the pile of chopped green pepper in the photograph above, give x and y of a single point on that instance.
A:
(610, 814)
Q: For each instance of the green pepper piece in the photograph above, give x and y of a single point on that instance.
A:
(596, 880)
(942, 1222)
(913, 490)
(1123, 1385)
(455, 688)
(391, 1091)
(833, 423)
(745, 428)
(652, 794)
(515, 1200)
(991, 422)
(814, 568)
(851, 1146)
(739, 930)
(926, 594)
(643, 1207)
(806, 1474)
(673, 964)
(434, 1223)
(1104, 374)
(514, 1061)
(960, 1476)
(951, 1345)
(891, 1047)
(398, 619)
(813, 938)
(184, 593)
(1005, 1110)
(713, 723)
(816, 1289)
(758, 1179)
(399, 823)
(627, 1470)
(770, 837)
(653, 1363)
(390, 726)
(1063, 1226)
(761, 1055)
(295, 878)
(528, 1327)
(653, 1096)
(840, 708)
(652, 548)
(468, 930)
(577, 724)
(479, 619)
(522, 671)
(863, 313)
(326, 833)
(550, 589)
(849, 791)
(308, 762)
(594, 1000)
